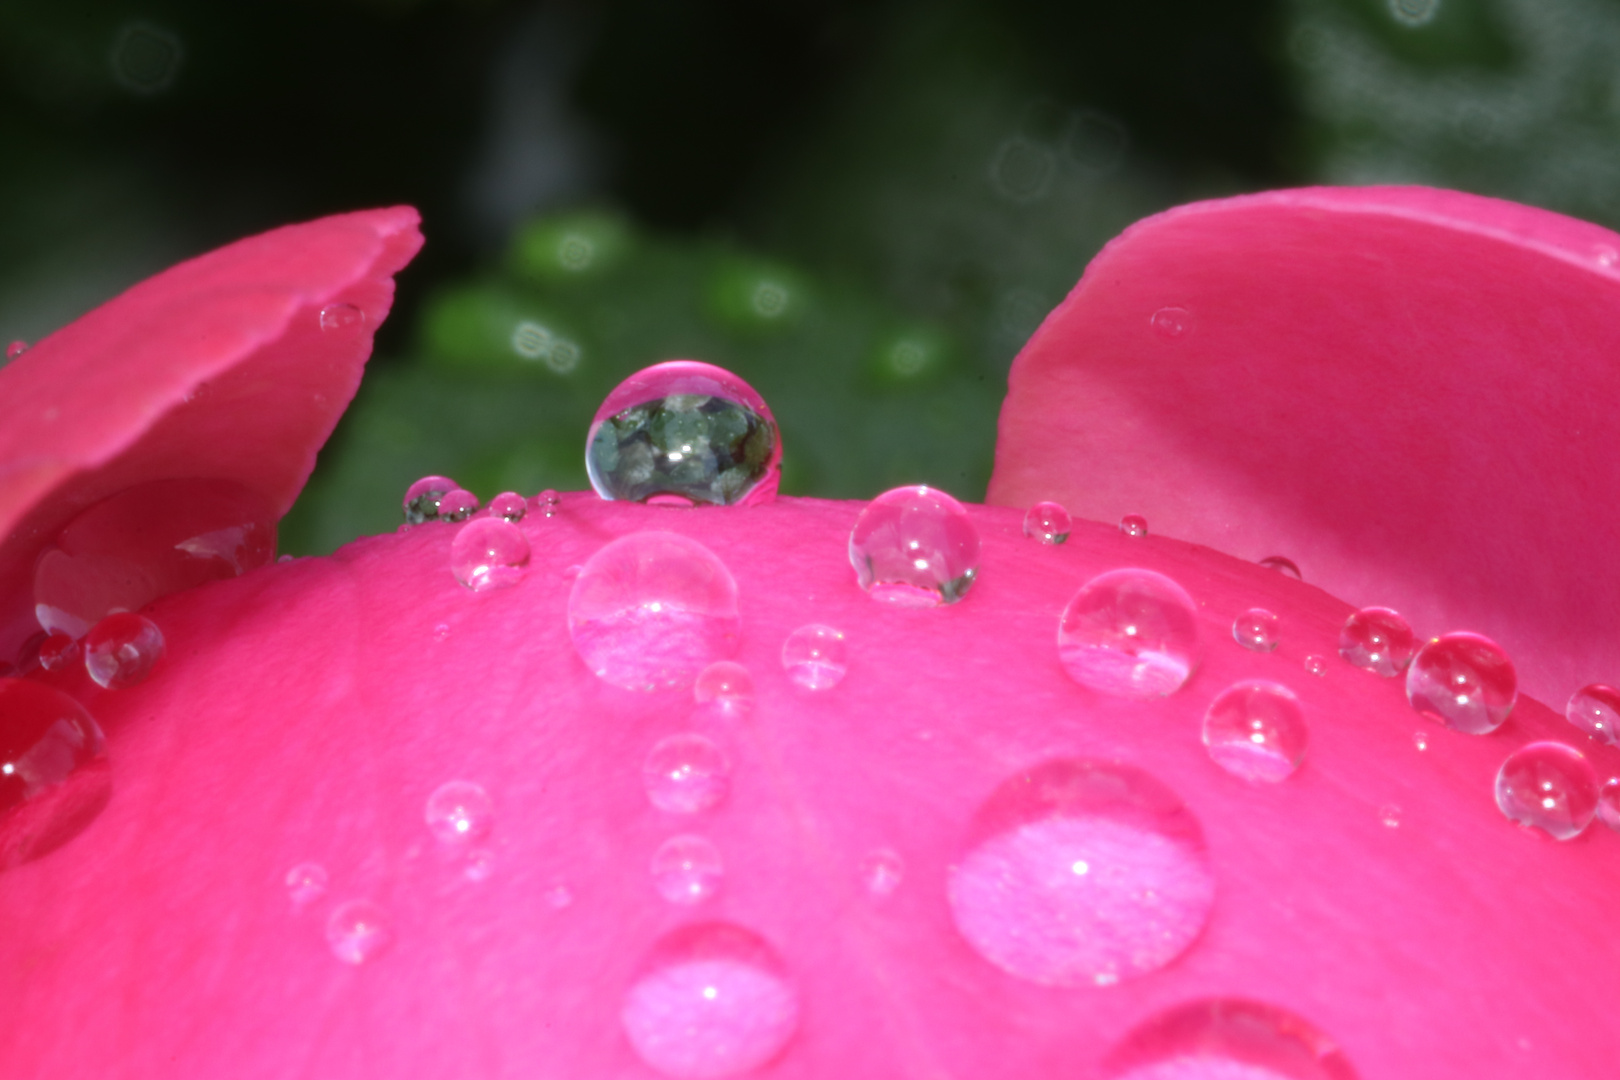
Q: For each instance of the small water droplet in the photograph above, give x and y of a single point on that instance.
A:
(121, 650)
(1227, 1039)
(559, 897)
(479, 866)
(422, 498)
(457, 505)
(1464, 681)
(1256, 629)
(509, 505)
(1172, 322)
(1595, 709)
(1282, 565)
(1256, 731)
(711, 1000)
(548, 501)
(882, 871)
(1420, 739)
(16, 349)
(357, 931)
(1548, 786)
(306, 883)
(1390, 815)
(1048, 522)
(57, 651)
(441, 631)
(344, 317)
(459, 812)
(727, 686)
(686, 774)
(687, 869)
(1608, 806)
(1133, 525)
(815, 657)
(54, 777)
(651, 610)
(1379, 640)
(489, 553)
(684, 433)
(914, 547)
(1082, 873)
(1605, 255)
(1130, 632)
(1316, 664)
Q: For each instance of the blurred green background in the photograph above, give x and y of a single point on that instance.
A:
(862, 208)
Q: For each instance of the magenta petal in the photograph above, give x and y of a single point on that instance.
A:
(1410, 393)
(217, 368)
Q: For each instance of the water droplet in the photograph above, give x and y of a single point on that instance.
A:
(549, 501)
(422, 498)
(1548, 786)
(1227, 1039)
(509, 505)
(1130, 632)
(1420, 739)
(882, 871)
(1316, 665)
(815, 657)
(54, 777)
(120, 650)
(441, 631)
(16, 349)
(1282, 565)
(1605, 255)
(1379, 640)
(1172, 322)
(687, 869)
(1390, 815)
(914, 547)
(559, 897)
(1048, 522)
(1608, 806)
(344, 317)
(306, 883)
(684, 433)
(1133, 525)
(1595, 709)
(1256, 731)
(479, 866)
(1082, 873)
(57, 651)
(358, 930)
(459, 812)
(727, 686)
(651, 610)
(1256, 629)
(147, 542)
(1464, 681)
(457, 505)
(685, 774)
(489, 553)
(711, 1000)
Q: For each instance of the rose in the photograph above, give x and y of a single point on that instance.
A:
(305, 713)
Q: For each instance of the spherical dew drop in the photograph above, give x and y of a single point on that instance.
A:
(1464, 681)
(1548, 786)
(489, 553)
(914, 547)
(1130, 632)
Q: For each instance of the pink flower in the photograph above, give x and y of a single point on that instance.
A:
(1404, 391)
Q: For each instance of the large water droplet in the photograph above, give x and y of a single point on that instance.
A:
(121, 650)
(1548, 786)
(815, 657)
(711, 1000)
(653, 609)
(1608, 807)
(306, 883)
(882, 871)
(725, 686)
(489, 553)
(509, 505)
(422, 498)
(1256, 730)
(687, 869)
(1463, 680)
(147, 542)
(1130, 632)
(1133, 525)
(345, 318)
(1256, 629)
(914, 547)
(56, 651)
(1082, 873)
(1379, 640)
(684, 433)
(1595, 709)
(1048, 522)
(1227, 1039)
(54, 778)
(457, 505)
(459, 812)
(358, 930)
(686, 773)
